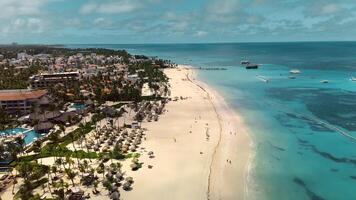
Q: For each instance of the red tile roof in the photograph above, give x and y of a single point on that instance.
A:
(18, 95)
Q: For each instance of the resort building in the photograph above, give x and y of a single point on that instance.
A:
(20, 101)
(133, 77)
(46, 80)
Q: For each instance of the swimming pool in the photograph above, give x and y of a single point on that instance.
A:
(30, 135)
(78, 106)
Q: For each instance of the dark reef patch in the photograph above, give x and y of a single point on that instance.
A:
(312, 195)
(276, 147)
(301, 141)
(334, 106)
(334, 170)
(329, 156)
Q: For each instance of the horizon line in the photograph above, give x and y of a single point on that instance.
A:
(174, 43)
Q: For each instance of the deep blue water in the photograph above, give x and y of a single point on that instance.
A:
(302, 129)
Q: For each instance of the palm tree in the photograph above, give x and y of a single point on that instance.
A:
(49, 179)
(59, 162)
(13, 185)
(71, 175)
(69, 161)
(54, 170)
(55, 136)
(20, 141)
(74, 138)
(96, 183)
(62, 129)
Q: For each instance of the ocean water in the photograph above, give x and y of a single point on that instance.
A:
(304, 131)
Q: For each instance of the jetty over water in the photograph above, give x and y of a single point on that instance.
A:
(210, 68)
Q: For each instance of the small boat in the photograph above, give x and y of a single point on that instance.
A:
(294, 71)
(245, 62)
(324, 81)
(262, 78)
(353, 79)
(252, 66)
(292, 77)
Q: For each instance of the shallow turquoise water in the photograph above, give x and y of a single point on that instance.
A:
(297, 125)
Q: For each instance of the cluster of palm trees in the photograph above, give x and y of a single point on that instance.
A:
(78, 171)
(11, 78)
(11, 149)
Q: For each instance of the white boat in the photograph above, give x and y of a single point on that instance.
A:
(262, 78)
(353, 79)
(294, 71)
(324, 81)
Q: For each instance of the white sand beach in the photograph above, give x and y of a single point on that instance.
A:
(201, 146)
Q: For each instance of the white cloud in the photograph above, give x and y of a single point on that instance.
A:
(99, 20)
(201, 33)
(12, 8)
(24, 25)
(331, 9)
(112, 7)
(88, 8)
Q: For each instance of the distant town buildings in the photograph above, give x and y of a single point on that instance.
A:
(20, 101)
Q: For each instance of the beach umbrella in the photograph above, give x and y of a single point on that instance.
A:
(126, 186)
(129, 179)
(109, 175)
(105, 148)
(134, 166)
(119, 176)
(124, 149)
(115, 195)
(132, 148)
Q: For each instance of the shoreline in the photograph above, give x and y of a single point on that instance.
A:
(202, 146)
(225, 112)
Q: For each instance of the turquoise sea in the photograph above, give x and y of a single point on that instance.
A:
(303, 130)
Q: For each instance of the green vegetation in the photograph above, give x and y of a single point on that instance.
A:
(12, 51)
(12, 78)
(33, 174)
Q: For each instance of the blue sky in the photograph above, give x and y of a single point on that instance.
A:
(175, 21)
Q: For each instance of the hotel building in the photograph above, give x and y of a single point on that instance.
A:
(46, 80)
(20, 101)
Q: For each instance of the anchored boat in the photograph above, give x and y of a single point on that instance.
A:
(252, 66)
(294, 71)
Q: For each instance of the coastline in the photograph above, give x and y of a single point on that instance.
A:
(229, 182)
(202, 146)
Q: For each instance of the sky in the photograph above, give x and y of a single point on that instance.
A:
(175, 21)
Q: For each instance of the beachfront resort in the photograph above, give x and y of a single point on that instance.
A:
(70, 120)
